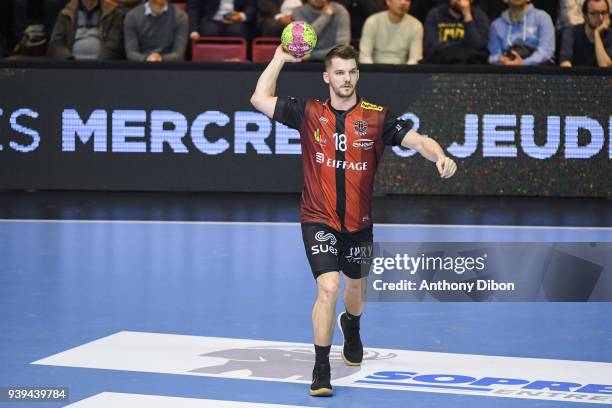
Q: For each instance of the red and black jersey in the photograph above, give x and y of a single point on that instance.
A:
(340, 154)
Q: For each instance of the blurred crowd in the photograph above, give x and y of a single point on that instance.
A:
(505, 32)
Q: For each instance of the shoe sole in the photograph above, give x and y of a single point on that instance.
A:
(321, 392)
(346, 360)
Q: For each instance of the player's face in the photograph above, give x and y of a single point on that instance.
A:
(398, 7)
(597, 12)
(342, 76)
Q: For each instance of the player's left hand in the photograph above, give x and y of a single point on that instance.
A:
(285, 56)
(447, 167)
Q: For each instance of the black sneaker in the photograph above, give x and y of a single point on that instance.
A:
(352, 352)
(321, 381)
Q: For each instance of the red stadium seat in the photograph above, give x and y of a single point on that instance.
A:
(216, 49)
(264, 47)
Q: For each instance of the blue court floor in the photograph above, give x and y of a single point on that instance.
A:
(67, 283)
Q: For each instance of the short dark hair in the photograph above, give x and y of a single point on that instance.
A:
(585, 6)
(346, 52)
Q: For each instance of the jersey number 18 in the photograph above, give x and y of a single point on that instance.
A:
(340, 142)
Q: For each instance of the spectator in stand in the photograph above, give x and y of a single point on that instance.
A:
(156, 31)
(456, 32)
(494, 8)
(226, 18)
(570, 13)
(360, 10)
(330, 20)
(392, 36)
(522, 35)
(589, 43)
(274, 15)
(87, 30)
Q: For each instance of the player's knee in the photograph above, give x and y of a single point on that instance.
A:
(328, 290)
(353, 285)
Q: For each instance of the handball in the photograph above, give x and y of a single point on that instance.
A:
(298, 39)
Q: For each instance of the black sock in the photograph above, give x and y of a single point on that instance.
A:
(352, 320)
(322, 354)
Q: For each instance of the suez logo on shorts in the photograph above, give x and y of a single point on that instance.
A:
(325, 247)
(492, 386)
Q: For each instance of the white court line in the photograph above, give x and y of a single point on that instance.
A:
(124, 400)
(287, 224)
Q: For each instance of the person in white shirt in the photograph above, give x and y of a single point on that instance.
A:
(392, 36)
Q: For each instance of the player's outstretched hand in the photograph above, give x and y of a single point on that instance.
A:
(285, 56)
(446, 167)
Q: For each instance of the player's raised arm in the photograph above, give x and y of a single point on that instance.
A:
(264, 97)
(431, 150)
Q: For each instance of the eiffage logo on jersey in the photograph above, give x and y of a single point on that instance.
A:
(340, 164)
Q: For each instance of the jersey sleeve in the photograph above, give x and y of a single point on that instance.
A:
(290, 111)
(394, 129)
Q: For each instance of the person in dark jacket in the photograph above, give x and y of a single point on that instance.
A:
(88, 29)
(156, 31)
(229, 18)
(589, 43)
(458, 24)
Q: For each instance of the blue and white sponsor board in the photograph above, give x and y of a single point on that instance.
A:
(420, 371)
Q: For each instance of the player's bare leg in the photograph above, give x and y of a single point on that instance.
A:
(348, 321)
(323, 312)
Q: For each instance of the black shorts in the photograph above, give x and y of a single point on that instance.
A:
(329, 250)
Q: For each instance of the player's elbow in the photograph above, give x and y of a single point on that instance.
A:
(258, 102)
(254, 100)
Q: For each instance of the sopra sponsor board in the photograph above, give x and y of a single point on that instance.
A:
(445, 373)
